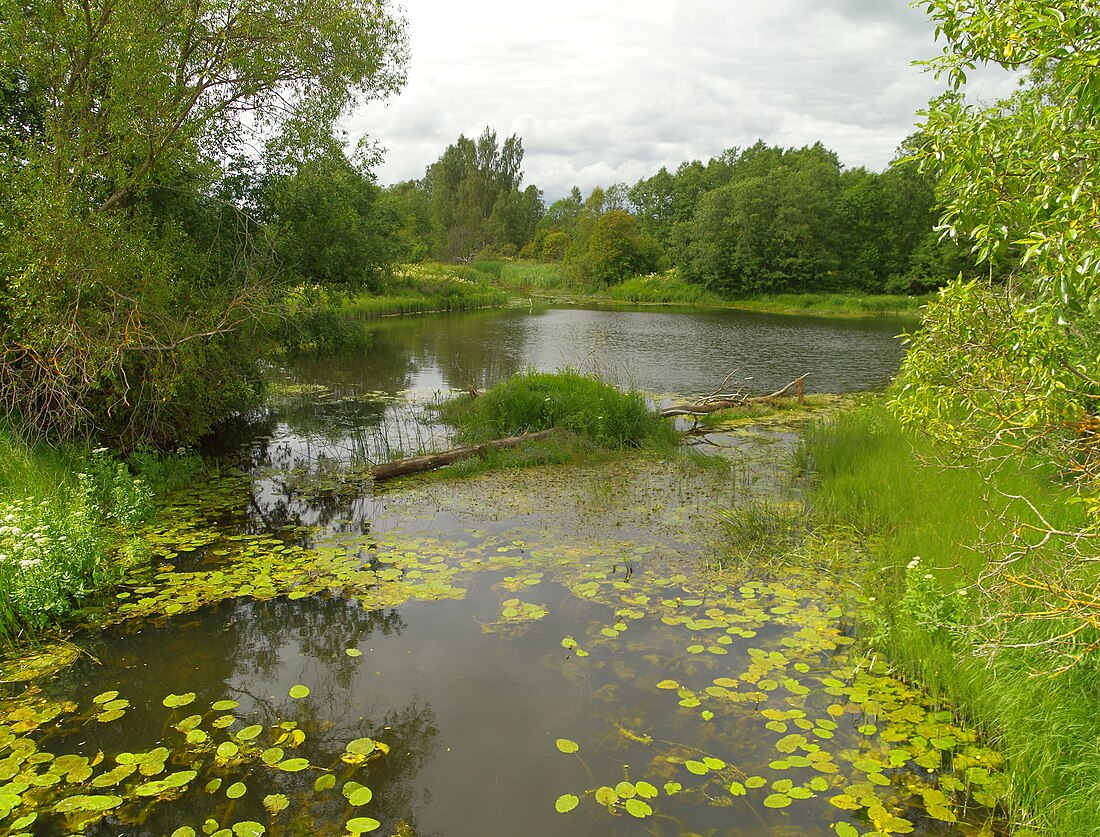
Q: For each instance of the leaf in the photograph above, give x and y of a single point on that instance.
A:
(298, 692)
(645, 790)
(360, 796)
(638, 808)
(606, 796)
(777, 800)
(236, 790)
(566, 803)
(324, 783)
(293, 765)
(249, 828)
(276, 802)
(361, 825)
(361, 746)
(176, 701)
(567, 746)
(93, 802)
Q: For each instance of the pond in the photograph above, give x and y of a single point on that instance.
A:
(525, 652)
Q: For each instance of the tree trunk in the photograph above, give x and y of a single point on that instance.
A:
(428, 462)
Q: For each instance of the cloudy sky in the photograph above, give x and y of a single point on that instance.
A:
(610, 90)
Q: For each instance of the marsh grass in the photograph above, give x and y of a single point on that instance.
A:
(924, 527)
(568, 400)
(422, 288)
(662, 289)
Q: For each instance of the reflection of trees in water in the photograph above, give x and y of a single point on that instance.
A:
(271, 640)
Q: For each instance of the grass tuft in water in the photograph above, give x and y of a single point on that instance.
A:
(584, 405)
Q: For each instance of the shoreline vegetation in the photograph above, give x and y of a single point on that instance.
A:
(432, 287)
(947, 606)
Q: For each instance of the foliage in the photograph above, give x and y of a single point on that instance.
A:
(475, 200)
(425, 287)
(315, 324)
(1002, 371)
(327, 218)
(126, 279)
(534, 401)
(66, 527)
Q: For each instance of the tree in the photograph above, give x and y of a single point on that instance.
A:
(771, 228)
(1004, 369)
(125, 277)
(470, 182)
(616, 250)
(328, 221)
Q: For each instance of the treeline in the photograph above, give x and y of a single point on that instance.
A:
(758, 220)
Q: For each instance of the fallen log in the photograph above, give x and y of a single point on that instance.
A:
(428, 462)
(724, 401)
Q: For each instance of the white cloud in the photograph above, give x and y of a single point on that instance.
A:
(607, 90)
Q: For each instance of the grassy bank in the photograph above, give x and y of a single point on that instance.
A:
(67, 524)
(421, 288)
(558, 282)
(938, 612)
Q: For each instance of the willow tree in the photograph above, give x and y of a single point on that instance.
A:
(1011, 368)
(125, 280)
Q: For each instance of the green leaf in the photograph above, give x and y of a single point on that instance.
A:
(567, 746)
(638, 808)
(298, 692)
(236, 790)
(176, 701)
(566, 803)
(361, 825)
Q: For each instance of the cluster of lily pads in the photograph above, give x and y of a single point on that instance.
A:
(855, 747)
(214, 757)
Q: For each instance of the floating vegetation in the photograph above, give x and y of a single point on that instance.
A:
(726, 694)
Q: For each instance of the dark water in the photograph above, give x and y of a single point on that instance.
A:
(366, 406)
(512, 610)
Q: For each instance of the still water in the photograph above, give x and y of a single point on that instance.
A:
(553, 651)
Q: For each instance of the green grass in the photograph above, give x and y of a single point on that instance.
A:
(416, 289)
(667, 288)
(67, 517)
(533, 401)
(834, 304)
(662, 289)
(932, 618)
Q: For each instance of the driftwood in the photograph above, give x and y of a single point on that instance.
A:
(428, 462)
(721, 400)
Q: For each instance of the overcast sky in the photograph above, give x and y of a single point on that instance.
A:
(611, 90)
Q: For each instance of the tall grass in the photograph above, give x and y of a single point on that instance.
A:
(530, 276)
(66, 520)
(583, 405)
(421, 288)
(924, 528)
(662, 288)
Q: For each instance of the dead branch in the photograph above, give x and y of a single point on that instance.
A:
(722, 400)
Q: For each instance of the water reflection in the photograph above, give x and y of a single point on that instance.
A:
(371, 407)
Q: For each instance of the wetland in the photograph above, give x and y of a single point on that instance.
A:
(564, 648)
